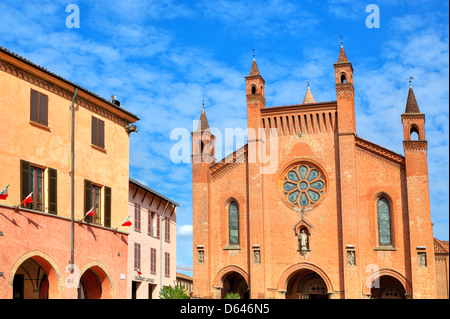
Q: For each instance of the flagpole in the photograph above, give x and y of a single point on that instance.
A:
(72, 168)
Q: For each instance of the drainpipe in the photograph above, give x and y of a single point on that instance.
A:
(160, 247)
(72, 165)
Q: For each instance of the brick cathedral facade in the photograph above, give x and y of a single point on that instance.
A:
(337, 217)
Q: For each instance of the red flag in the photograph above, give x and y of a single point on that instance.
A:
(28, 199)
(127, 222)
(90, 212)
(4, 193)
(138, 271)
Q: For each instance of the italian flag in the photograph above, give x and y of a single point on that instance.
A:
(4, 193)
(127, 222)
(28, 199)
(138, 271)
(90, 212)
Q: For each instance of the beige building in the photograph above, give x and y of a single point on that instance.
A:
(152, 239)
(69, 149)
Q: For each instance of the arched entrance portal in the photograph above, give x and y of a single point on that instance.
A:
(306, 284)
(233, 282)
(387, 287)
(95, 283)
(30, 281)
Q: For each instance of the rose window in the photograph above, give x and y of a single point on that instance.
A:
(303, 185)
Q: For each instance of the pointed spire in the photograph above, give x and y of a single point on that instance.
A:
(203, 123)
(254, 70)
(342, 55)
(411, 103)
(308, 96)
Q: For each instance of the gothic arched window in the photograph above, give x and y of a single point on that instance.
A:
(384, 222)
(233, 223)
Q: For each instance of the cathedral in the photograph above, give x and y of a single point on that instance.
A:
(336, 216)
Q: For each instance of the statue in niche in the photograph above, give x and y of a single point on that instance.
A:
(201, 256)
(422, 259)
(303, 237)
(257, 257)
(351, 260)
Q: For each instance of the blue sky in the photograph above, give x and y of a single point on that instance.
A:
(163, 58)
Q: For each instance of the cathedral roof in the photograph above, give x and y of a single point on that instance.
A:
(203, 123)
(411, 103)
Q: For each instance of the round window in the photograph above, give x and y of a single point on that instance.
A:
(303, 185)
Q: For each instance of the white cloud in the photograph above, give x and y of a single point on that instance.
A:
(184, 230)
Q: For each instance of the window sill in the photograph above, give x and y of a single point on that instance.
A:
(41, 126)
(232, 247)
(385, 248)
(98, 148)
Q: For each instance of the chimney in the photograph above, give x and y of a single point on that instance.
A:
(114, 100)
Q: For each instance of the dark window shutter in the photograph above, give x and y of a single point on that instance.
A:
(157, 226)
(25, 180)
(52, 191)
(43, 109)
(101, 134)
(94, 140)
(108, 207)
(87, 196)
(34, 108)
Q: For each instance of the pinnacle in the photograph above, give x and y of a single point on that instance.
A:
(411, 103)
(309, 98)
(342, 55)
(203, 123)
(254, 70)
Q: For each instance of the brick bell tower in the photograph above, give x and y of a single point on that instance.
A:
(203, 143)
(420, 226)
(255, 102)
(346, 179)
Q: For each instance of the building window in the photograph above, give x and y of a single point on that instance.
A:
(167, 264)
(152, 224)
(93, 199)
(153, 261)
(137, 256)
(33, 181)
(233, 223)
(303, 185)
(137, 217)
(39, 108)
(98, 132)
(167, 229)
(384, 222)
(95, 203)
(37, 185)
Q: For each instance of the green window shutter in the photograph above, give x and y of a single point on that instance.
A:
(25, 187)
(52, 191)
(87, 197)
(108, 207)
